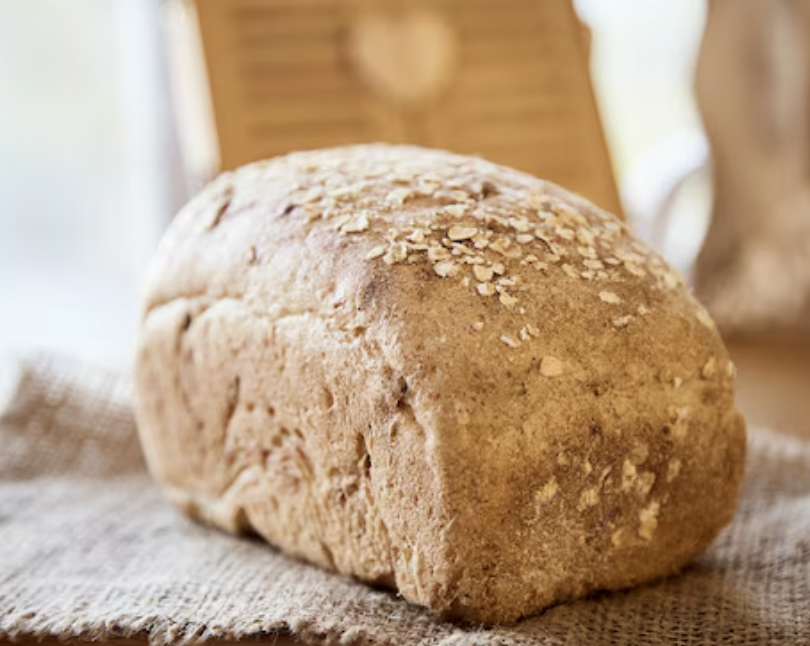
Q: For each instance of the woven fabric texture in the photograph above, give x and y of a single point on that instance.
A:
(89, 548)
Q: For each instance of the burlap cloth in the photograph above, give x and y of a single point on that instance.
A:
(89, 548)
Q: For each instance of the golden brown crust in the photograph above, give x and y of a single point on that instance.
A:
(432, 372)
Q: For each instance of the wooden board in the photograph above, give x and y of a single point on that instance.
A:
(504, 79)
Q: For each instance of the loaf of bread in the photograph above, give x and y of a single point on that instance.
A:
(437, 375)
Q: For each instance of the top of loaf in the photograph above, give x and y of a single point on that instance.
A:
(487, 228)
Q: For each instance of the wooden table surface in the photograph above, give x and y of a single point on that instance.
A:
(771, 390)
(772, 385)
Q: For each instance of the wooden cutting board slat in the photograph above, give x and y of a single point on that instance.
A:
(513, 83)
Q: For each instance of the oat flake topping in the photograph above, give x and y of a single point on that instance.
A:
(474, 228)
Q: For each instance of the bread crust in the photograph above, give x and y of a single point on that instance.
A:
(436, 374)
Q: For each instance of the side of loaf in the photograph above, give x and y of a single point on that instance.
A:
(438, 375)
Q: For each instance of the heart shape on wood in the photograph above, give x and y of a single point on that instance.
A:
(406, 56)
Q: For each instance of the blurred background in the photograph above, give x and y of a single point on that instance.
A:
(107, 126)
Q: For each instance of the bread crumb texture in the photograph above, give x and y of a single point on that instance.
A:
(438, 375)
